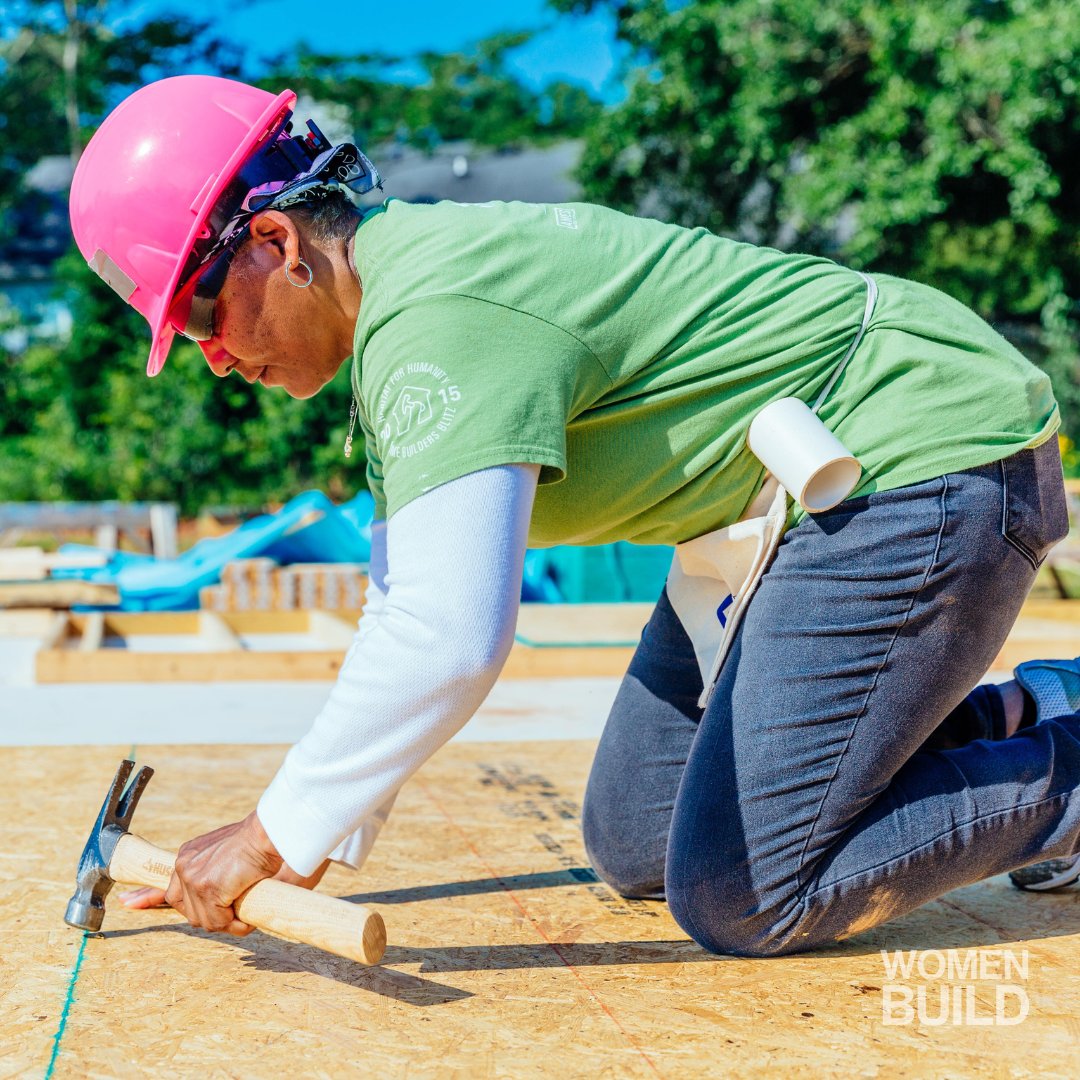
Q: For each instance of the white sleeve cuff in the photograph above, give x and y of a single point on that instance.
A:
(355, 848)
(301, 838)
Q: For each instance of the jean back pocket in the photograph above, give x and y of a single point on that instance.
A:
(1035, 514)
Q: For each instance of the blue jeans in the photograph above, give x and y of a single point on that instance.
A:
(844, 772)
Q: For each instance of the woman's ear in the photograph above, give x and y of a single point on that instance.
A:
(275, 235)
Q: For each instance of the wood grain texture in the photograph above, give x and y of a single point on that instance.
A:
(61, 593)
(508, 958)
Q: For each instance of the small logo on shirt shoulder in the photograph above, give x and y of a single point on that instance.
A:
(566, 217)
(413, 403)
(418, 404)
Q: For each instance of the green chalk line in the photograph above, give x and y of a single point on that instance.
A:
(70, 999)
(67, 1007)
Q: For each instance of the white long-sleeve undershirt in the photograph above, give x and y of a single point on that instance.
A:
(437, 626)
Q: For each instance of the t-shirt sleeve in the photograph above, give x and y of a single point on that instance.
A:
(374, 470)
(452, 384)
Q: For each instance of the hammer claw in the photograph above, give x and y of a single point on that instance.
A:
(286, 910)
(92, 884)
(116, 790)
(126, 805)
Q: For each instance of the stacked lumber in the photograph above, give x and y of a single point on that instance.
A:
(33, 564)
(262, 585)
(25, 580)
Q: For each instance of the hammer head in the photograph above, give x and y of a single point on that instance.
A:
(86, 909)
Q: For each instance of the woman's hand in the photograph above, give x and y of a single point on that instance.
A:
(213, 870)
(149, 897)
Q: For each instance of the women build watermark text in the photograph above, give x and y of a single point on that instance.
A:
(972, 987)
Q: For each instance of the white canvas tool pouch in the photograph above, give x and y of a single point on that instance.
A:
(713, 577)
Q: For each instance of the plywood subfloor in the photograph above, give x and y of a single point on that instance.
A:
(507, 959)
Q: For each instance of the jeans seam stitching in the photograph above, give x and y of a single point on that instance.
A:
(869, 693)
(1035, 564)
(1019, 547)
(1004, 498)
(933, 840)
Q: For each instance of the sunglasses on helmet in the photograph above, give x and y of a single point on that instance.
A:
(288, 171)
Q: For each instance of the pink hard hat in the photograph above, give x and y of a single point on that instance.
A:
(146, 186)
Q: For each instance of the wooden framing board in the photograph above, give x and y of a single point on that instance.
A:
(59, 593)
(506, 957)
(21, 564)
(597, 640)
(553, 640)
(107, 519)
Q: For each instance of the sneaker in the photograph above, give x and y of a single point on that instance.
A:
(1054, 686)
(1049, 875)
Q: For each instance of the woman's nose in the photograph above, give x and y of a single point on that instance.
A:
(220, 361)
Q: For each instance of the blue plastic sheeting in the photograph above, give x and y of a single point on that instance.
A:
(537, 584)
(309, 529)
(604, 574)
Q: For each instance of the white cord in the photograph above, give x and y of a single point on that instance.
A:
(871, 299)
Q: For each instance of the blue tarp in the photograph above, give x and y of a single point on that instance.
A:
(308, 529)
(311, 528)
(601, 574)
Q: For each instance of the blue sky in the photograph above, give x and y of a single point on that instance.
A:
(580, 48)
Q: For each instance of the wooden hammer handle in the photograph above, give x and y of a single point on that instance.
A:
(345, 929)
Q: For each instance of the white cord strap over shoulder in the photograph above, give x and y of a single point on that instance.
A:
(871, 300)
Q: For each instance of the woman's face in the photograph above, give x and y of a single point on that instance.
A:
(270, 331)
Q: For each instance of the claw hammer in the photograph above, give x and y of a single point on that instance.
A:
(113, 854)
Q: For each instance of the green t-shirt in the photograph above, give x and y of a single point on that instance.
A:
(627, 358)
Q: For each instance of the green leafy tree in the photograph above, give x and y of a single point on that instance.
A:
(936, 140)
(64, 63)
(470, 95)
(82, 421)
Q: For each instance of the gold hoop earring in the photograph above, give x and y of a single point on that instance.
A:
(300, 285)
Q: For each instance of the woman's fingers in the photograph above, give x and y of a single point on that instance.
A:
(212, 870)
(147, 897)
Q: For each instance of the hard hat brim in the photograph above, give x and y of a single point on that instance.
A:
(159, 350)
